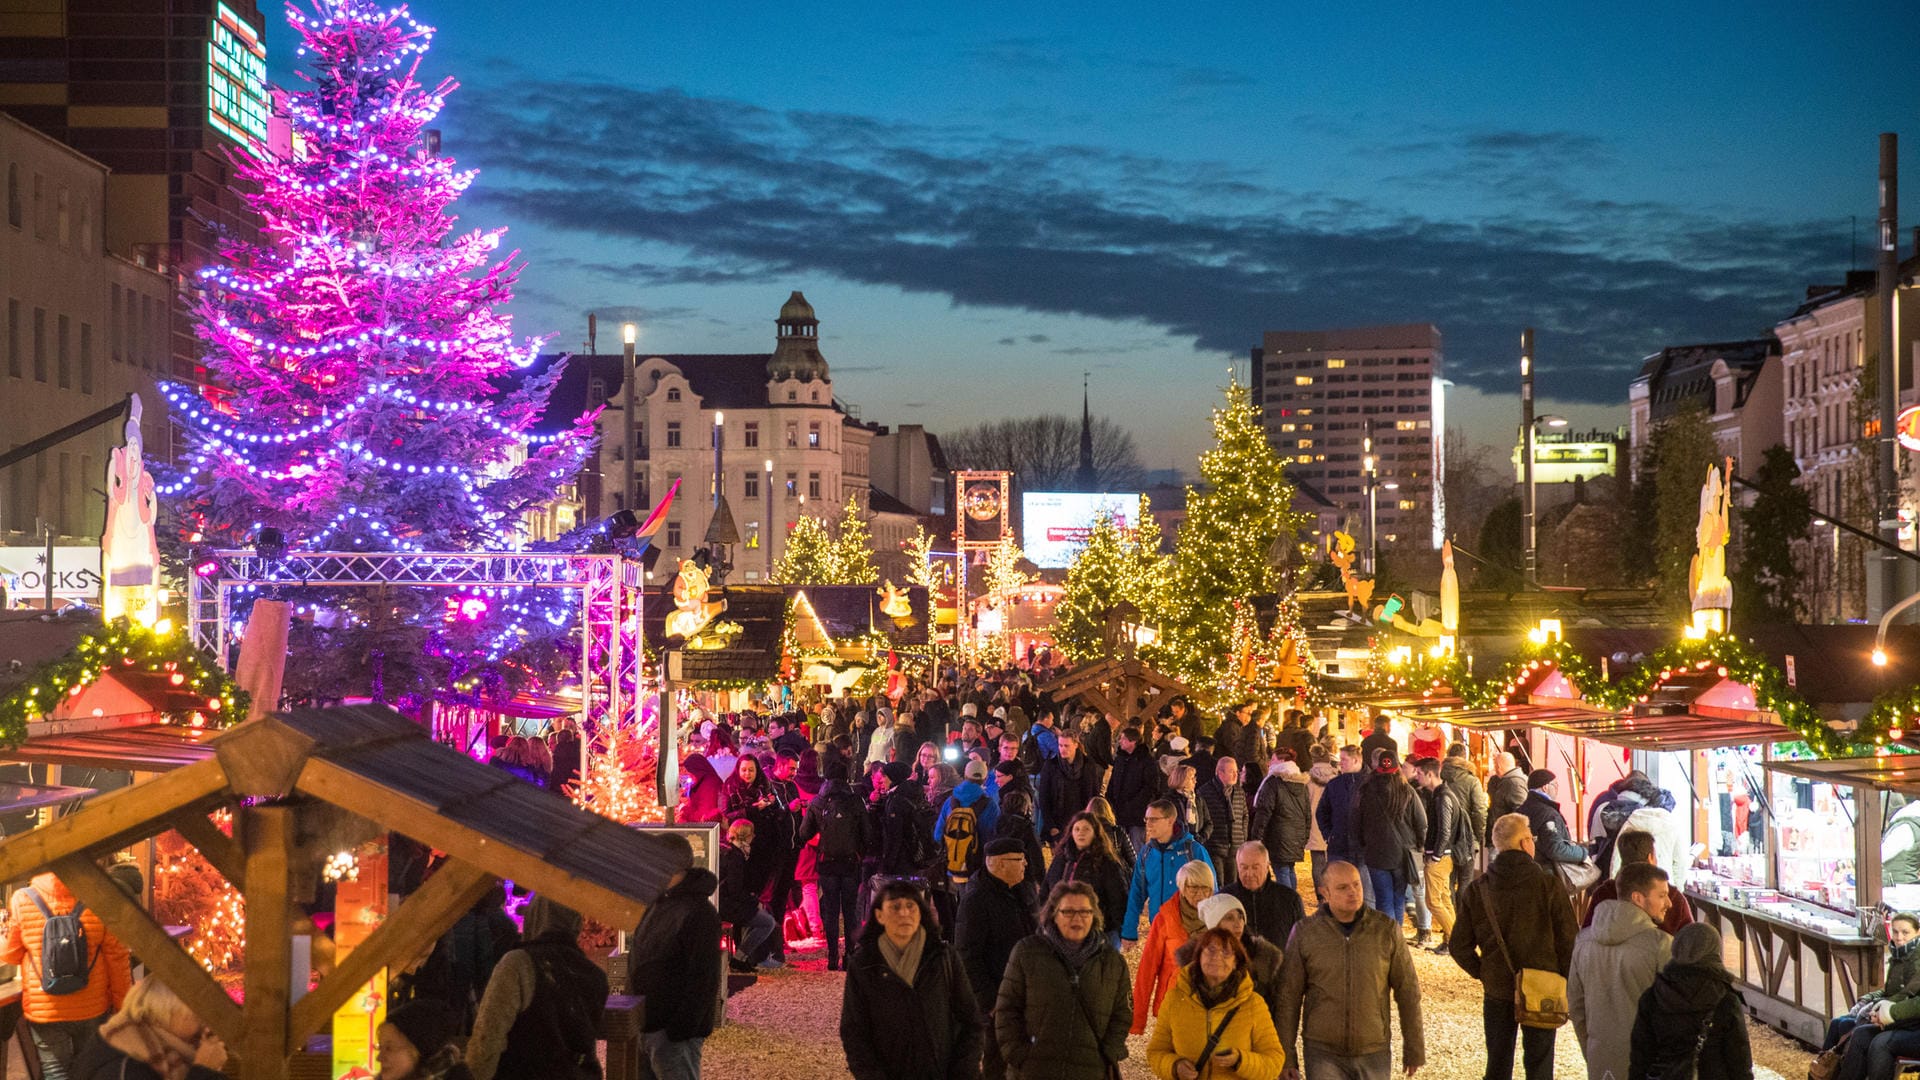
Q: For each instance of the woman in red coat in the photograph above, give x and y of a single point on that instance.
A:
(1176, 921)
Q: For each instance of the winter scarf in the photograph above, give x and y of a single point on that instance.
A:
(1074, 956)
(1190, 918)
(905, 962)
(166, 1053)
(1212, 997)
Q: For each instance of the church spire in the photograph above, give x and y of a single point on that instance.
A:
(1088, 481)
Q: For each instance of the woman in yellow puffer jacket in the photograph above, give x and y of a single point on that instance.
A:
(1213, 1026)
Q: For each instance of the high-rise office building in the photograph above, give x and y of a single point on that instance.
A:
(1323, 392)
(155, 92)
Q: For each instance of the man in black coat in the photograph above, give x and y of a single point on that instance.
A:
(995, 913)
(1068, 781)
(1377, 740)
(1136, 780)
(1515, 915)
(1553, 840)
(673, 962)
(1226, 803)
(1096, 745)
(1392, 828)
(1272, 908)
(1506, 790)
(839, 818)
(906, 824)
(1235, 736)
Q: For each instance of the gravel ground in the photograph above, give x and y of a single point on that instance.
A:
(787, 1026)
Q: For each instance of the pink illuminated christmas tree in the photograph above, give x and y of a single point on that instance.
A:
(365, 391)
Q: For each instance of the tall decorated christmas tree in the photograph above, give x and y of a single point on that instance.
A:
(1223, 553)
(1115, 566)
(365, 390)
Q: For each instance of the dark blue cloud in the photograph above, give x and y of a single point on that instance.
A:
(1205, 250)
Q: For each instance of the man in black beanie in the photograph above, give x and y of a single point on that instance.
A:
(995, 913)
(1553, 841)
(673, 962)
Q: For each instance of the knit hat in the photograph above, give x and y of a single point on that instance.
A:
(1540, 778)
(545, 916)
(897, 772)
(1178, 743)
(1006, 845)
(1000, 713)
(969, 709)
(1697, 944)
(976, 770)
(427, 1023)
(1215, 908)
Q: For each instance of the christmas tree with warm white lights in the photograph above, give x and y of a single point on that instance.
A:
(363, 382)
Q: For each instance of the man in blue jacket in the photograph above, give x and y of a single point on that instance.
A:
(1336, 812)
(1168, 848)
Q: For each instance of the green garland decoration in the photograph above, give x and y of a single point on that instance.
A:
(123, 645)
(1725, 653)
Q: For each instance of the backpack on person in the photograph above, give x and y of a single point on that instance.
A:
(1685, 1065)
(562, 1022)
(1030, 755)
(65, 967)
(961, 837)
(842, 822)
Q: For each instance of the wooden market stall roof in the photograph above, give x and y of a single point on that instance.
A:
(140, 748)
(1893, 772)
(1125, 687)
(760, 611)
(1661, 733)
(1499, 717)
(293, 781)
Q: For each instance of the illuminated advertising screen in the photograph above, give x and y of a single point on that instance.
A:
(236, 78)
(1053, 524)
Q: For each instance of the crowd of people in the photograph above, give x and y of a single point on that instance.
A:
(983, 863)
(1012, 890)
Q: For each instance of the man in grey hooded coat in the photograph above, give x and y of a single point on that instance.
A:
(1614, 962)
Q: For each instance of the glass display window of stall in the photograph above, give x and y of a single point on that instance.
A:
(1736, 836)
(1813, 828)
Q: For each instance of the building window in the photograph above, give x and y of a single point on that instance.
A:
(673, 433)
(813, 435)
(39, 207)
(816, 395)
(673, 393)
(673, 534)
(793, 395)
(63, 216)
(1303, 380)
(146, 332)
(63, 364)
(793, 435)
(596, 388)
(750, 536)
(86, 358)
(13, 338)
(750, 434)
(813, 485)
(752, 488)
(793, 484)
(39, 344)
(113, 323)
(13, 195)
(640, 437)
(86, 226)
(1336, 363)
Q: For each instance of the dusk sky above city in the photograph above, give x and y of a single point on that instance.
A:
(984, 202)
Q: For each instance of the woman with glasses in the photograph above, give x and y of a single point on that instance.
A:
(907, 1011)
(1213, 1024)
(1063, 1007)
(1086, 854)
(1176, 921)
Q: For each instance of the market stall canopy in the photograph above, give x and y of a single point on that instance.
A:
(1401, 701)
(1500, 717)
(752, 656)
(847, 613)
(1893, 772)
(288, 779)
(1661, 733)
(140, 748)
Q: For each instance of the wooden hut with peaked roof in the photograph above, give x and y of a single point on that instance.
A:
(296, 782)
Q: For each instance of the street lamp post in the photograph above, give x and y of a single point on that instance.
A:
(1532, 537)
(1370, 468)
(766, 530)
(1530, 569)
(629, 333)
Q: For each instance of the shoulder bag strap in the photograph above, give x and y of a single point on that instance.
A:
(1213, 1040)
(1099, 1040)
(1498, 938)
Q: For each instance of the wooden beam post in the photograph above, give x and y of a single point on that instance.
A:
(421, 919)
(219, 849)
(267, 836)
(162, 955)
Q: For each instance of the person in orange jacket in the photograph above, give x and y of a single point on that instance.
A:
(1176, 921)
(62, 1024)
